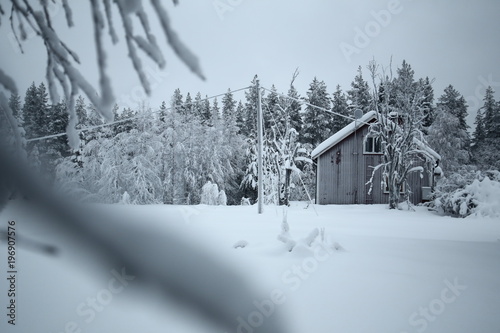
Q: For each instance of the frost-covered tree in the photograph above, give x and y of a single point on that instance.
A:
(448, 134)
(479, 134)
(62, 61)
(339, 106)
(229, 114)
(398, 130)
(486, 136)
(317, 124)
(446, 137)
(427, 103)
(359, 95)
(249, 127)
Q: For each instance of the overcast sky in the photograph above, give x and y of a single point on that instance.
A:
(453, 41)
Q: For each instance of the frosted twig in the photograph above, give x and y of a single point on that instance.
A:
(151, 48)
(62, 80)
(109, 18)
(68, 13)
(127, 25)
(14, 30)
(173, 40)
(4, 104)
(107, 98)
(7, 82)
(71, 53)
(73, 137)
(54, 96)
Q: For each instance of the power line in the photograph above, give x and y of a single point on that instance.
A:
(309, 104)
(127, 119)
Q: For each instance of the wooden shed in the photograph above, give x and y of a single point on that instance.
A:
(345, 164)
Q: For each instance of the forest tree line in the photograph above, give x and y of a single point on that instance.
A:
(167, 154)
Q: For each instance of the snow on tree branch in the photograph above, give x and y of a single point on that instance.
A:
(62, 61)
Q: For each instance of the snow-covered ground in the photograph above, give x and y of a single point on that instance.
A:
(374, 271)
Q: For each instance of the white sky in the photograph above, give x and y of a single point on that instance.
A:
(453, 41)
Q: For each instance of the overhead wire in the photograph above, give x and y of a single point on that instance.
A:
(89, 128)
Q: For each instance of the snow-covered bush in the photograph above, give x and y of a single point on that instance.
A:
(245, 201)
(469, 193)
(210, 195)
(222, 198)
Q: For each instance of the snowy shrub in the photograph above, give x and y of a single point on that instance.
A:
(125, 199)
(472, 193)
(245, 201)
(209, 194)
(222, 198)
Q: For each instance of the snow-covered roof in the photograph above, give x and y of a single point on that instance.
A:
(349, 129)
(343, 133)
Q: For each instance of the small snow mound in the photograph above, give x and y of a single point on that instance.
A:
(240, 244)
(125, 198)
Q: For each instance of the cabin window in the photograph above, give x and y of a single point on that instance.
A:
(386, 186)
(372, 145)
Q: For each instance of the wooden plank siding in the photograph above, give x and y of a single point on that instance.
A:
(343, 171)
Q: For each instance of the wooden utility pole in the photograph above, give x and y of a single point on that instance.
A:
(260, 190)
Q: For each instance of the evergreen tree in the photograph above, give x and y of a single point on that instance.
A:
(206, 112)
(81, 112)
(189, 105)
(271, 112)
(317, 124)
(163, 112)
(294, 108)
(240, 117)
(479, 132)
(359, 95)
(428, 103)
(215, 119)
(177, 103)
(446, 138)
(339, 106)
(229, 114)
(454, 103)
(249, 128)
(404, 85)
(32, 113)
(198, 106)
(15, 105)
(448, 133)
(489, 109)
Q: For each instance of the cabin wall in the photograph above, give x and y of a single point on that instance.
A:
(343, 171)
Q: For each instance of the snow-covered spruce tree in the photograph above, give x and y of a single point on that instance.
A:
(359, 95)
(448, 133)
(317, 123)
(428, 103)
(230, 125)
(249, 128)
(339, 106)
(399, 132)
(486, 136)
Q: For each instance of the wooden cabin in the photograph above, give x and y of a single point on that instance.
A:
(345, 164)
